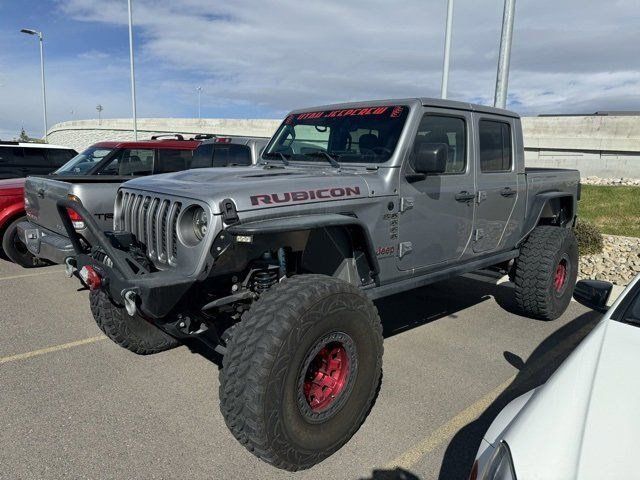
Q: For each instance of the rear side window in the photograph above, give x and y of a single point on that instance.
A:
(221, 155)
(59, 156)
(450, 131)
(11, 156)
(495, 146)
(173, 160)
(230, 155)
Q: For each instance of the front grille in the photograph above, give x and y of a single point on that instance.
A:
(154, 222)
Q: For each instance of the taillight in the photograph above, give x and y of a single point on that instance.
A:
(90, 277)
(76, 219)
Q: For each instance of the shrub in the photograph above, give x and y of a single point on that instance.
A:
(589, 238)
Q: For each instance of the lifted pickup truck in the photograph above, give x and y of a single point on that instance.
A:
(276, 266)
(93, 177)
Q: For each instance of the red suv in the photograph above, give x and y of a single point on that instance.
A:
(104, 158)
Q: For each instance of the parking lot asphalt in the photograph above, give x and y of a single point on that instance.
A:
(75, 405)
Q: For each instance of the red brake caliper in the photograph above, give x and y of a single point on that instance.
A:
(326, 376)
(561, 276)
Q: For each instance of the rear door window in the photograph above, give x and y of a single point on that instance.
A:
(495, 146)
(59, 156)
(231, 155)
(35, 157)
(130, 162)
(173, 160)
(203, 156)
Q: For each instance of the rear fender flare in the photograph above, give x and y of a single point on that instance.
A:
(546, 203)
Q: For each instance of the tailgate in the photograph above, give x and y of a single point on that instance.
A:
(41, 195)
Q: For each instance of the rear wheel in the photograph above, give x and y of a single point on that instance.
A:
(546, 272)
(15, 249)
(133, 333)
(302, 370)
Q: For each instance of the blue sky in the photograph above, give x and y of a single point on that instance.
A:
(259, 59)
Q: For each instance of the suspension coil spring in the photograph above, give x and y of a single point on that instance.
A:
(264, 279)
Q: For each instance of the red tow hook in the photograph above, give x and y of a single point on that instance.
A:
(91, 277)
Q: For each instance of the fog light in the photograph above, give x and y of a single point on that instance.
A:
(90, 277)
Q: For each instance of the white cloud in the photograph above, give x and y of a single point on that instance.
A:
(262, 58)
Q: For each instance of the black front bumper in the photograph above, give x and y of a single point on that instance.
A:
(156, 293)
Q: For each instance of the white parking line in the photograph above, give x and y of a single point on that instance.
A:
(26, 275)
(54, 348)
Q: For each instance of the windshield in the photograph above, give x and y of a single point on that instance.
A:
(355, 135)
(83, 162)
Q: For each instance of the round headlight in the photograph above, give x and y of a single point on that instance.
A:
(200, 223)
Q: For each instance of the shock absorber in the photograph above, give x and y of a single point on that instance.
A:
(264, 279)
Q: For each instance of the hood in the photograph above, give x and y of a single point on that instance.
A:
(12, 186)
(584, 423)
(256, 187)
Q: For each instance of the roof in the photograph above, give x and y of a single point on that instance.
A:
(32, 145)
(235, 139)
(430, 102)
(161, 144)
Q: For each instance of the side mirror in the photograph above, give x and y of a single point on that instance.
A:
(593, 294)
(431, 158)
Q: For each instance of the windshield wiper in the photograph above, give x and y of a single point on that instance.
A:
(280, 155)
(322, 153)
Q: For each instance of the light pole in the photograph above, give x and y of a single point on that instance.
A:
(502, 77)
(99, 109)
(199, 89)
(447, 50)
(133, 75)
(30, 31)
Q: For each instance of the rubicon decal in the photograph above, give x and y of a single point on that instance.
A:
(321, 194)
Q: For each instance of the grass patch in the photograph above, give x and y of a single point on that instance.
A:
(614, 210)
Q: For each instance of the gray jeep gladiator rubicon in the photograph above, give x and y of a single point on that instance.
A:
(276, 266)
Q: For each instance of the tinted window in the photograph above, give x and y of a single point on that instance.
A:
(231, 155)
(11, 156)
(173, 160)
(632, 315)
(58, 156)
(450, 131)
(203, 156)
(130, 162)
(495, 146)
(35, 157)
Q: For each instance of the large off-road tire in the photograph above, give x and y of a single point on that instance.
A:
(302, 370)
(132, 333)
(546, 271)
(16, 250)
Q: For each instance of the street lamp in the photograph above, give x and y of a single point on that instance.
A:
(133, 75)
(447, 50)
(199, 90)
(30, 31)
(99, 109)
(504, 58)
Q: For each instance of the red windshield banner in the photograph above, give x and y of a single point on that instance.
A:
(391, 111)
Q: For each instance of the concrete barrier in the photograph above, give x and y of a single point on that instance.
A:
(79, 134)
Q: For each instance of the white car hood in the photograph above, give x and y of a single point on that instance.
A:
(584, 423)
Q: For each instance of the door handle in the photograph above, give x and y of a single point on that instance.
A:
(465, 196)
(508, 192)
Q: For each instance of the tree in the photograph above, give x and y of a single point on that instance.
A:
(27, 139)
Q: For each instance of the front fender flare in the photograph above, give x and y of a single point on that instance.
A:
(310, 222)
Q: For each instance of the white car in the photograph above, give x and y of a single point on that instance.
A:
(584, 422)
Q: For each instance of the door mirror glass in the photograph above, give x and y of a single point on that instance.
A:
(430, 158)
(593, 294)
